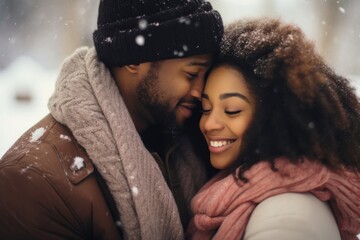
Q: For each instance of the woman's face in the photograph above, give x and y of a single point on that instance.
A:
(228, 109)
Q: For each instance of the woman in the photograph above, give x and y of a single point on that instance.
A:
(284, 130)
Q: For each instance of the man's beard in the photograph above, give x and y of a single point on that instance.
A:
(150, 96)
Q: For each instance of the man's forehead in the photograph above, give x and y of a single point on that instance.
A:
(200, 60)
(203, 61)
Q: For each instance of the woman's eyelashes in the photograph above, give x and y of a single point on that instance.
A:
(228, 112)
(233, 112)
(204, 111)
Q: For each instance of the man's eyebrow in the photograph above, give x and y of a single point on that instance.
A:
(201, 64)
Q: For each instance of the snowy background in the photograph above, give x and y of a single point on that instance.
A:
(36, 35)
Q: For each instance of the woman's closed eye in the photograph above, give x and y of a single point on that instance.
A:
(232, 112)
(205, 111)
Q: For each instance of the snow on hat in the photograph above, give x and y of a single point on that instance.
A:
(137, 31)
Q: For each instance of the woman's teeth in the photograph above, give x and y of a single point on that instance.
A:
(220, 143)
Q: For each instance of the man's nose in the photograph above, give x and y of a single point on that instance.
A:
(197, 88)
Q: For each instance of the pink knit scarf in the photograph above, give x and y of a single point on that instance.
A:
(223, 206)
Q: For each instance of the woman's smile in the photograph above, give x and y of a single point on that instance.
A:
(218, 146)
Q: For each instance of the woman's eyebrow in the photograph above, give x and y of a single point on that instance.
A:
(204, 95)
(228, 95)
(234, 94)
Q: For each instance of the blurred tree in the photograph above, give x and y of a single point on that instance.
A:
(340, 34)
(46, 30)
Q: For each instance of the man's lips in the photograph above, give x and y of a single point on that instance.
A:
(187, 109)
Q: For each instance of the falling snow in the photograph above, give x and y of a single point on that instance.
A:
(108, 40)
(342, 9)
(37, 134)
(22, 171)
(65, 137)
(140, 40)
(135, 191)
(185, 20)
(179, 53)
(142, 24)
(77, 164)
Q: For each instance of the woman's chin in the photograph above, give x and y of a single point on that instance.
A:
(219, 163)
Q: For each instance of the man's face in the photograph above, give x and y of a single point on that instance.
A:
(170, 90)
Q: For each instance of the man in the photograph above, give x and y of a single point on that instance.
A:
(102, 164)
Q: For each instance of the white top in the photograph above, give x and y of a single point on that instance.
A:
(292, 216)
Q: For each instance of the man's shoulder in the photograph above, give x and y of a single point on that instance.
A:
(48, 187)
(40, 181)
(292, 216)
(50, 149)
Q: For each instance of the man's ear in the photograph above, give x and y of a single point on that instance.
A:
(132, 68)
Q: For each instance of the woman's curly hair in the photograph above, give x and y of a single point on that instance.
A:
(303, 108)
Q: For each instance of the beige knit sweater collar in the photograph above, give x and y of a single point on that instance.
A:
(87, 100)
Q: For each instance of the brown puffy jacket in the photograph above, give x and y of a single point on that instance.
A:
(69, 200)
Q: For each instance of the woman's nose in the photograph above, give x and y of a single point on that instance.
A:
(211, 122)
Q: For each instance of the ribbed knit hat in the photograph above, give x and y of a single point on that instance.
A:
(137, 31)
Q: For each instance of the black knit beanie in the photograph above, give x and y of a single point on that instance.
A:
(137, 31)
